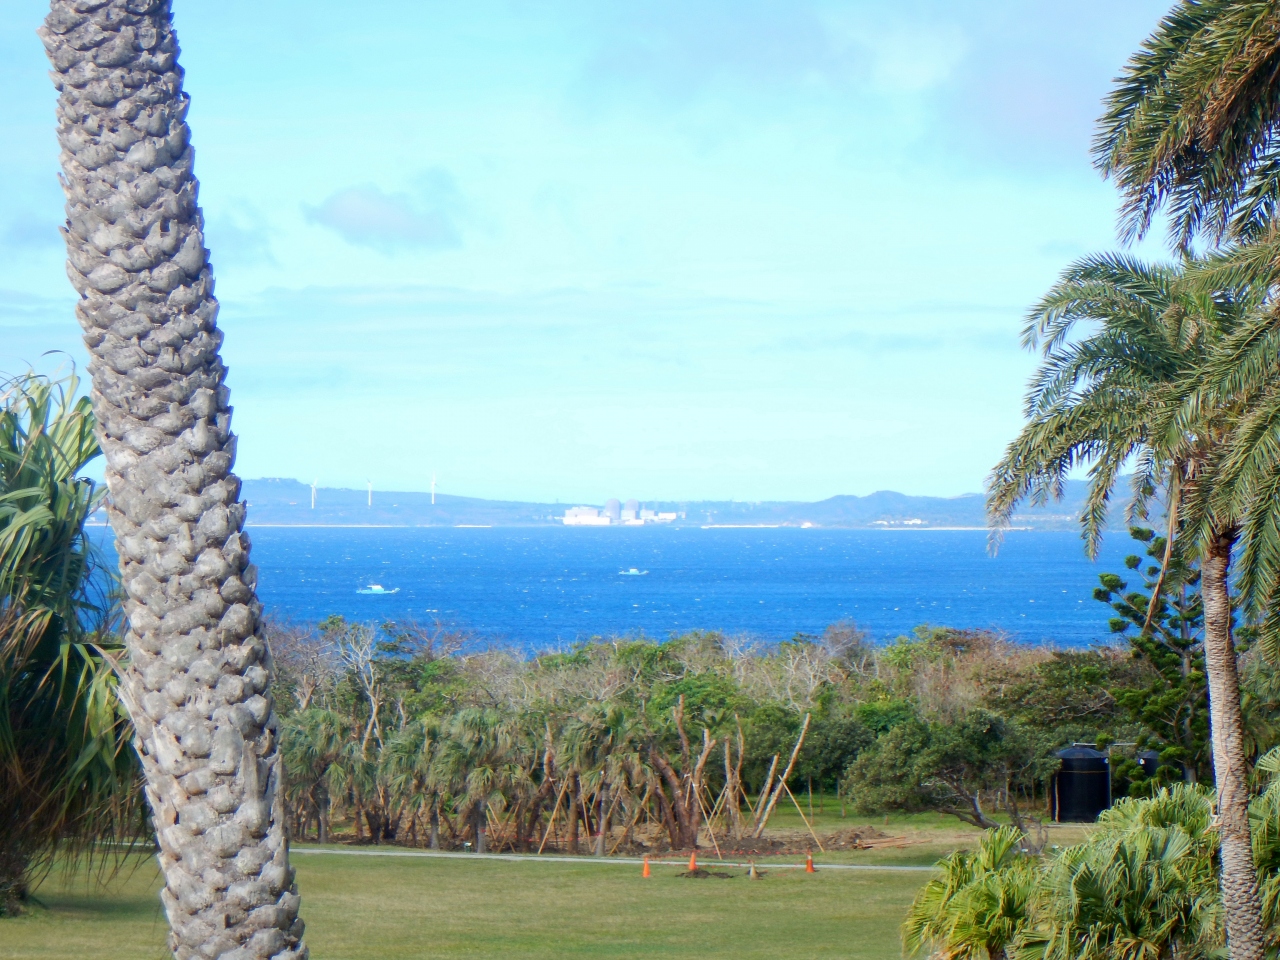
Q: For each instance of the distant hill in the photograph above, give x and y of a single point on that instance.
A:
(274, 501)
(288, 502)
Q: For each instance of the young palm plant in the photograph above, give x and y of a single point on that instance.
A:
(1144, 893)
(1128, 391)
(196, 680)
(67, 775)
(978, 906)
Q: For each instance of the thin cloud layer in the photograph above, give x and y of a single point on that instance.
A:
(241, 236)
(678, 233)
(365, 216)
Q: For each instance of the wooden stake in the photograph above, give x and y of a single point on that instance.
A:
(765, 792)
(554, 810)
(707, 820)
(639, 810)
(782, 781)
(806, 822)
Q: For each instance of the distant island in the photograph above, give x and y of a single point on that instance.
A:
(285, 502)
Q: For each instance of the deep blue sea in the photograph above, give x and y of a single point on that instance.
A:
(549, 586)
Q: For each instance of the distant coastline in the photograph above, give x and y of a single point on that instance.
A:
(289, 503)
(277, 502)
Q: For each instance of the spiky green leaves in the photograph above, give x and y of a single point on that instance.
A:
(1191, 125)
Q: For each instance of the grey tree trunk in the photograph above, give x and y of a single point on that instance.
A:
(602, 832)
(196, 680)
(1241, 903)
(480, 820)
(575, 812)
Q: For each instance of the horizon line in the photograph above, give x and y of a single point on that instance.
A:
(562, 502)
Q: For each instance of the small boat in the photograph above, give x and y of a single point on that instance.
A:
(633, 572)
(377, 590)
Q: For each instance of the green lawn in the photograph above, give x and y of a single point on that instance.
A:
(381, 907)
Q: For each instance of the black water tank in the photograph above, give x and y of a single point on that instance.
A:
(1082, 785)
(1149, 761)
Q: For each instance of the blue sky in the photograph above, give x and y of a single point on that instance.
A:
(687, 249)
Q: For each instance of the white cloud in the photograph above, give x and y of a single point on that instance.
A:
(367, 217)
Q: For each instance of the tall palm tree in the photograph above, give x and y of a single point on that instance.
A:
(475, 762)
(602, 742)
(1191, 126)
(196, 682)
(1127, 392)
(315, 743)
(67, 776)
(406, 764)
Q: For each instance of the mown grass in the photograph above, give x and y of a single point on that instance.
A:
(380, 908)
(929, 835)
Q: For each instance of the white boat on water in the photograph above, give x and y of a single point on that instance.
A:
(377, 590)
(633, 572)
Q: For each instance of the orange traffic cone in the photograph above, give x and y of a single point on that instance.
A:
(693, 861)
(808, 863)
(645, 871)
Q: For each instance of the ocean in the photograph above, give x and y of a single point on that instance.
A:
(547, 587)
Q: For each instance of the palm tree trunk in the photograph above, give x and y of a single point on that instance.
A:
(481, 821)
(575, 811)
(14, 862)
(1242, 906)
(601, 820)
(196, 682)
(435, 824)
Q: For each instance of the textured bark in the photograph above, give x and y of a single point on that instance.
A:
(575, 813)
(480, 822)
(602, 831)
(14, 860)
(1242, 906)
(196, 682)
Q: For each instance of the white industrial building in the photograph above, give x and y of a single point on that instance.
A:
(616, 514)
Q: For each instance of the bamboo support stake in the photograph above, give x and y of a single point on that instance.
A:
(710, 832)
(782, 781)
(510, 829)
(639, 810)
(502, 824)
(608, 816)
(765, 792)
(551, 821)
(806, 822)
(720, 801)
(737, 781)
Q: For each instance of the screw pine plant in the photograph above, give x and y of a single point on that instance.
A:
(196, 679)
(68, 781)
